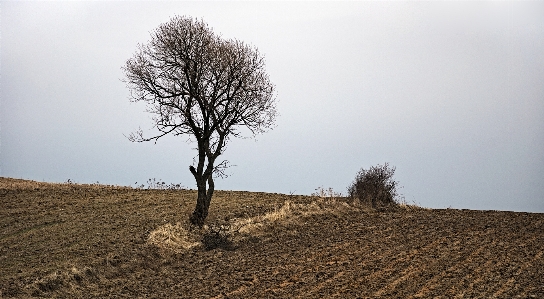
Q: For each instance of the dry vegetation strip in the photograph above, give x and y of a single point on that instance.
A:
(90, 241)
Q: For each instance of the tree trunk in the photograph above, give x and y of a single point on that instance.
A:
(201, 210)
(203, 200)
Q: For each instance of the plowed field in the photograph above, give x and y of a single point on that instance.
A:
(91, 241)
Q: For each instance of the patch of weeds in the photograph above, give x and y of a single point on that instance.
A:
(160, 185)
(403, 204)
(322, 192)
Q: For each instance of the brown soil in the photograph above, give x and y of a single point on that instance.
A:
(91, 241)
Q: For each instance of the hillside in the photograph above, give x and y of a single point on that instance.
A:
(93, 241)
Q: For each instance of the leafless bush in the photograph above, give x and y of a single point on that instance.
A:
(375, 186)
(218, 236)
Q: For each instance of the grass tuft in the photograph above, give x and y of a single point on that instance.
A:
(176, 238)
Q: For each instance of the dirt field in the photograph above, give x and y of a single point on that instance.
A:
(90, 241)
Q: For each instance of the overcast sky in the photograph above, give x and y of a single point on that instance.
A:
(452, 94)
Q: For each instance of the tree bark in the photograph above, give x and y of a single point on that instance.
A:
(205, 194)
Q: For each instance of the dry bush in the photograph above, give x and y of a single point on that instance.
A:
(218, 236)
(375, 187)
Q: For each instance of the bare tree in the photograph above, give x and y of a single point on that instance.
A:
(197, 83)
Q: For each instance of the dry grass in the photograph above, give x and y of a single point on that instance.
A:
(63, 282)
(176, 238)
(25, 185)
(15, 184)
(290, 212)
(182, 237)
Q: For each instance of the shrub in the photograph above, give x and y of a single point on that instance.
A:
(375, 186)
(218, 236)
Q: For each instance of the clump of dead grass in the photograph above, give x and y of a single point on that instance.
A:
(329, 192)
(72, 278)
(175, 238)
(405, 205)
(290, 212)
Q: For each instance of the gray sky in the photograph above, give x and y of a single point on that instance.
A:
(452, 94)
